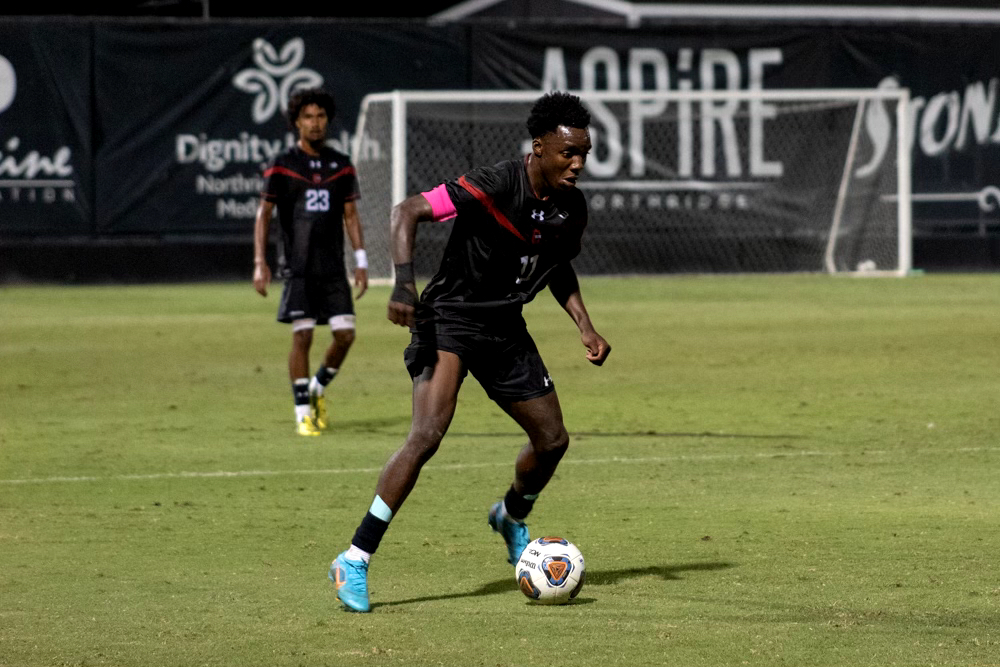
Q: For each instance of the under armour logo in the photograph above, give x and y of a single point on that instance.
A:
(537, 214)
(278, 76)
(547, 380)
(315, 164)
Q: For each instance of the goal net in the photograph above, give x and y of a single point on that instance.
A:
(677, 182)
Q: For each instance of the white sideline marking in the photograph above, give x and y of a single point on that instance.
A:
(470, 466)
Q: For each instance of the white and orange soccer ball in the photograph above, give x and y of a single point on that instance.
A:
(550, 570)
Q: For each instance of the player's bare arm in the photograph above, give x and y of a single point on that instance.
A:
(352, 225)
(566, 289)
(261, 230)
(403, 231)
(598, 349)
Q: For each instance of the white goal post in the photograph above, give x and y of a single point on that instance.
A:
(734, 181)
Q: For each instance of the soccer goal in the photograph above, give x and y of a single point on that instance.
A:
(678, 181)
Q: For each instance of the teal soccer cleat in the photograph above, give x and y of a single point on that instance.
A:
(351, 580)
(514, 533)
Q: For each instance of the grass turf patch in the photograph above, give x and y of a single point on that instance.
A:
(769, 470)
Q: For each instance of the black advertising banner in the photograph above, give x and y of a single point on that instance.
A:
(159, 128)
(188, 113)
(45, 159)
(592, 56)
(720, 185)
(952, 71)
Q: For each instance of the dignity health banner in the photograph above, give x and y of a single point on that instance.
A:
(190, 112)
(46, 170)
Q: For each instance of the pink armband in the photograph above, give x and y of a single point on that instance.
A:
(440, 202)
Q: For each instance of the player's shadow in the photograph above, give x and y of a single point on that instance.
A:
(665, 572)
(594, 578)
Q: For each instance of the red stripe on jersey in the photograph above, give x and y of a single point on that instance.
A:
(487, 202)
(284, 171)
(343, 172)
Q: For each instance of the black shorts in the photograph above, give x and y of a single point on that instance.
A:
(508, 367)
(313, 298)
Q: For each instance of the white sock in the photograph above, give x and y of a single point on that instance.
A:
(302, 411)
(355, 553)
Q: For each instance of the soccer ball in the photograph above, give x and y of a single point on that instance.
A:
(550, 570)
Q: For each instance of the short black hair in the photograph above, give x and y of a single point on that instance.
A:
(304, 97)
(555, 109)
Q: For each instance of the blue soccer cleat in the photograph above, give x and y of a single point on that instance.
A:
(514, 532)
(351, 579)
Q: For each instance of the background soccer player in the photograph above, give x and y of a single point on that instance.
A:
(517, 226)
(314, 189)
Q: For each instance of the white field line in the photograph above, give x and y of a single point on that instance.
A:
(470, 466)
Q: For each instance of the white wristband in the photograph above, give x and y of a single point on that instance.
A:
(360, 258)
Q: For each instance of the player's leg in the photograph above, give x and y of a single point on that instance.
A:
(298, 356)
(520, 384)
(294, 310)
(298, 373)
(541, 419)
(342, 328)
(331, 301)
(343, 331)
(435, 393)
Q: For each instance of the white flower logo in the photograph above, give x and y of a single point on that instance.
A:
(278, 76)
(8, 84)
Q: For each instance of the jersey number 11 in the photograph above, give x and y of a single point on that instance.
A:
(528, 264)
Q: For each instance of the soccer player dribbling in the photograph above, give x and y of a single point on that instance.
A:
(518, 225)
(314, 189)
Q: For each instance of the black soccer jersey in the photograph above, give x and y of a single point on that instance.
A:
(310, 192)
(503, 248)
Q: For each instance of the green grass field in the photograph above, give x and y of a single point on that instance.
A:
(795, 470)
